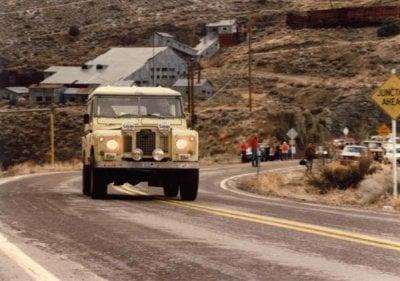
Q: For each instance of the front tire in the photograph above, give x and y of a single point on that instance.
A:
(171, 190)
(98, 181)
(189, 185)
(86, 185)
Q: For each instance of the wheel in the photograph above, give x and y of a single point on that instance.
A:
(86, 180)
(189, 184)
(171, 190)
(98, 181)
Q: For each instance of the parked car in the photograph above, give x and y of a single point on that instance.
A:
(389, 155)
(353, 152)
(375, 147)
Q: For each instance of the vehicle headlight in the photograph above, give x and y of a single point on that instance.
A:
(112, 145)
(182, 144)
(137, 154)
(158, 154)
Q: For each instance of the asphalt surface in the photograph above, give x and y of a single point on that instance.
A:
(49, 231)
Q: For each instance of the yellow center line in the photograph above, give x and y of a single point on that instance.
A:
(277, 222)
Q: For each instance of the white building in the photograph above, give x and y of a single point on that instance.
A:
(207, 47)
(202, 90)
(141, 66)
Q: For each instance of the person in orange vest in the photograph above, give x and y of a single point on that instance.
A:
(254, 150)
(243, 148)
(285, 151)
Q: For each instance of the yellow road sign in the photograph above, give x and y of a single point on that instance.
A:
(387, 97)
(384, 130)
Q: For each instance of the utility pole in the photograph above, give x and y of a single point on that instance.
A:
(192, 65)
(249, 34)
(52, 136)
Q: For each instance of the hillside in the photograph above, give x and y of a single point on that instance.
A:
(317, 81)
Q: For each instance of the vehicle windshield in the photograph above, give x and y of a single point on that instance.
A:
(355, 149)
(138, 106)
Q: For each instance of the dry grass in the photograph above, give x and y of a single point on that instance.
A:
(32, 168)
(372, 192)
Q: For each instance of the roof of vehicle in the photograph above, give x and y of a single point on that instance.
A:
(134, 91)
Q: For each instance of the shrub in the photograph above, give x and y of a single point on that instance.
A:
(389, 29)
(74, 31)
(340, 176)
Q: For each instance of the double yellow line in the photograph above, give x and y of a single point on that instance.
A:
(277, 222)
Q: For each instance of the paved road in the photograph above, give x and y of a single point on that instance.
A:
(49, 231)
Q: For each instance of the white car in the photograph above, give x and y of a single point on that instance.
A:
(353, 151)
(389, 155)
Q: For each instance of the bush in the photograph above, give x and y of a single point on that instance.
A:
(74, 31)
(389, 29)
(340, 176)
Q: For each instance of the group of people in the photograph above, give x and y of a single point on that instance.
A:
(266, 150)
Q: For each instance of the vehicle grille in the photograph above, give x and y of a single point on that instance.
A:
(164, 144)
(146, 141)
(127, 144)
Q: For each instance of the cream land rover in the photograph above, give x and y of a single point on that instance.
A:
(138, 134)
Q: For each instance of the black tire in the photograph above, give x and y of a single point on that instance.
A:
(171, 190)
(98, 181)
(86, 180)
(189, 185)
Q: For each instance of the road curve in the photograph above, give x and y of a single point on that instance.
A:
(49, 231)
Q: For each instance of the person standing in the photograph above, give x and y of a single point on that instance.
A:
(285, 151)
(309, 155)
(278, 151)
(243, 148)
(254, 150)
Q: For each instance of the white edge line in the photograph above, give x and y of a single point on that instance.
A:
(32, 268)
(322, 207)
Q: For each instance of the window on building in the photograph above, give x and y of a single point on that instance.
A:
(172, 77)
(225, 28)
(72, 99)
(39, 99)
(204, 91)
(48, 99)
(158, 76)
(172, 69)
(152, 69)
(158, 69)
(145, 82)
(164, 69)
(138, 83)
(164, 76)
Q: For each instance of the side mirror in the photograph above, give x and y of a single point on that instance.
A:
(86, 118)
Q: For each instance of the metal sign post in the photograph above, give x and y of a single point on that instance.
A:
(394, 130)
(292, 134)
(387, 97)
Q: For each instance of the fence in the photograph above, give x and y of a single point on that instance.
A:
(346, 17)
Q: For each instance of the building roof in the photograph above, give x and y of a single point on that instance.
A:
(46, 86)
(78, 91)
(184, 82)
(18, 90)
(222, 23)
(122, 91)
(164, 34)
(117, 64)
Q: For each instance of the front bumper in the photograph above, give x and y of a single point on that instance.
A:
(147, 165)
